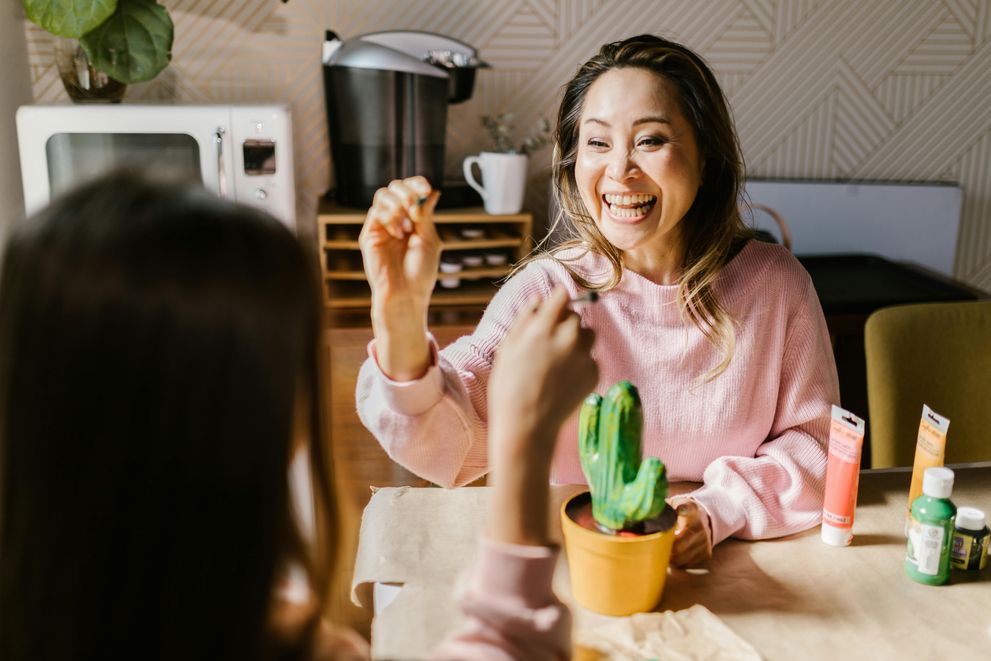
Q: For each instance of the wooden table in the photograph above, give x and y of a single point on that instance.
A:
(793, 597)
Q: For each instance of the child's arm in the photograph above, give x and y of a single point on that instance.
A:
(540, 375)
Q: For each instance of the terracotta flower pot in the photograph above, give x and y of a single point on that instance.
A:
(615, 574)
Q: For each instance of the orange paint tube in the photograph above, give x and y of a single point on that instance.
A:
(846, 441)
(930, 450)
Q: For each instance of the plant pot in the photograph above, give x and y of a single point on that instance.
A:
(615, 574)
(83, 83)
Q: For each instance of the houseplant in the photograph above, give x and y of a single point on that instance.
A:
(618, 535)
(501, 130)
(107, 44)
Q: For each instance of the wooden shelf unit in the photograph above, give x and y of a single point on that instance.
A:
(345, 286)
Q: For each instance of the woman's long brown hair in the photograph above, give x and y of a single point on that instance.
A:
(712, 228)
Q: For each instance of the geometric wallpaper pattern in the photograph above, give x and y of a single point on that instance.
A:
(890, 90)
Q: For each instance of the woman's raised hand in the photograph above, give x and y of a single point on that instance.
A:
(401, 253)
(541, 372)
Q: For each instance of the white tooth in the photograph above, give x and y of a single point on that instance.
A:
(626, 200)
(637, 199)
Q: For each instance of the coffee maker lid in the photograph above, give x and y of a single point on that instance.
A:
(359, 53)
(419, 43)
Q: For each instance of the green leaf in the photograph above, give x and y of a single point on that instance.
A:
(69, 18)
(134, 44)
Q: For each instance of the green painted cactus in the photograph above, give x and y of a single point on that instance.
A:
(625, 490)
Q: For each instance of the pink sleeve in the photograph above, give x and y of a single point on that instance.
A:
(510, 608)
(436, 426)
(780, 490)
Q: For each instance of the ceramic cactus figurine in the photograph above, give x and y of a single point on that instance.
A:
(625, 490)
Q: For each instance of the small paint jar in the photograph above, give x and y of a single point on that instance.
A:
(496, 258)
(970, 540)
(472, 260)
(450, 263)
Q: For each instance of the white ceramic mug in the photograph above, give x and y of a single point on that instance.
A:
(504, 176)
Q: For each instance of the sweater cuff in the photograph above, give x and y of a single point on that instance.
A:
(412, 397)
(517, 571)
(715, 501)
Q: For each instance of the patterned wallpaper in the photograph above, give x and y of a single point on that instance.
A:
(836, 89)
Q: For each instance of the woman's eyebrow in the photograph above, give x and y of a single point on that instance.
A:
(650, 119)
(653, 119)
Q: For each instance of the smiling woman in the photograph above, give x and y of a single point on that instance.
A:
(722, 335)
(638, 169)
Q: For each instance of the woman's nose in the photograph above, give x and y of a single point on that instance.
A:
(621, 165)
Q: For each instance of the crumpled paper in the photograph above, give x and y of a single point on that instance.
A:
(691, 634)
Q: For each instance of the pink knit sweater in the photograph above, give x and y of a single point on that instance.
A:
(754, 437)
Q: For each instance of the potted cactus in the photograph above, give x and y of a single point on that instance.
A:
(617, 535)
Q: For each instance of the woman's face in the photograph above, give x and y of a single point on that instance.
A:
(638, 167)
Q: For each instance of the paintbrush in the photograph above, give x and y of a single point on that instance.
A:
(588, 297)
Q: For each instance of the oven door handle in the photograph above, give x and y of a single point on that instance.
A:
(218, 137)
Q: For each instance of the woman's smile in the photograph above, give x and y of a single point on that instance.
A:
(628, 207)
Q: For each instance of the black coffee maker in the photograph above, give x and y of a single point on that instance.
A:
(387, 95)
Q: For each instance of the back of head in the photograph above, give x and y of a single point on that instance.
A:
(153, 342)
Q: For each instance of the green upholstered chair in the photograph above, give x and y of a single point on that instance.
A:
(937, 354)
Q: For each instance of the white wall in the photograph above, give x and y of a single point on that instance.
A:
(15, 90)
(885, 90)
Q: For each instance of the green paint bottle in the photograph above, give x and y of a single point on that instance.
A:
(930, 532)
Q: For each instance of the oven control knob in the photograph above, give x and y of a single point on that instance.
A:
(261, 194)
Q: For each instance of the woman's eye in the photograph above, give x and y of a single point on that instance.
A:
(595, 142)
(652, 141)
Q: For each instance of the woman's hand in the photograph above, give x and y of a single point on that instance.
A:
(542, 370)
(400, 250)
(691, 543)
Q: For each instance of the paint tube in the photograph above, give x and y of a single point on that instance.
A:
(846, 441)
(930, 449)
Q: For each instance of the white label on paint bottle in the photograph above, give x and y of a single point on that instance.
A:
(927, 542)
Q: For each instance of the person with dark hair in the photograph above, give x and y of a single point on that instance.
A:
(723, 335)
(158, 374)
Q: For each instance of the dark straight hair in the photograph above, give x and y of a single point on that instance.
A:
(154, 343)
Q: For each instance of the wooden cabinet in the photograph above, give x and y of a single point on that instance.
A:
(471, 235)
